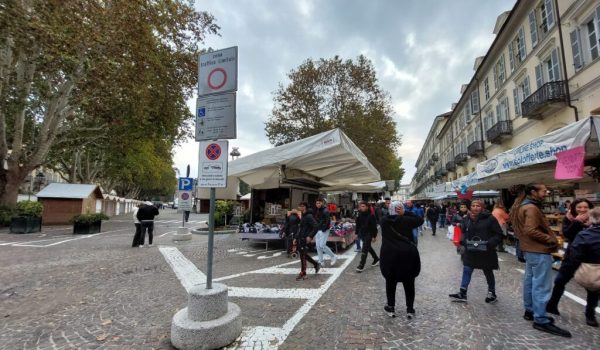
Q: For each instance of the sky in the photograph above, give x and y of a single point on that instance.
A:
(422, 50)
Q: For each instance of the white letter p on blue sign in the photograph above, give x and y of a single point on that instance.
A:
(186, 184)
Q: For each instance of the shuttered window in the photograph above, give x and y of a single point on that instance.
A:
(533, 28)
(576, 49)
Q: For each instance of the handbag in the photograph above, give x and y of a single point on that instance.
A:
(588, 276)
(477, 245)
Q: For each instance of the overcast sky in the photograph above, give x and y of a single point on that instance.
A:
(423, 51)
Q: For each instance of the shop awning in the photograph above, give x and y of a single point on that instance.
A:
(362, 188)
(323, 160)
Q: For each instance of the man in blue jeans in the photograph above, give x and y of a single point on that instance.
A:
(537, 241)
(324, 221)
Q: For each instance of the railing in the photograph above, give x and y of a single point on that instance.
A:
(475, 148)
(460, 158)
(451, 166)
(501, 128)
(550, 93)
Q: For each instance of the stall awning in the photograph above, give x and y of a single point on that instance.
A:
(326, 159)
(362, 188)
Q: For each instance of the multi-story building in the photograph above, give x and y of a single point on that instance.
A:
(541, 73)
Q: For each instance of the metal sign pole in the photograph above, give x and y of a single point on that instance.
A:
(211, 238)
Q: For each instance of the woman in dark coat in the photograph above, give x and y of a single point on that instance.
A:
(576, 220)
(479, 224)
(399, 257)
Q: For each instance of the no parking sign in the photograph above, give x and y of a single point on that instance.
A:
(213, 164)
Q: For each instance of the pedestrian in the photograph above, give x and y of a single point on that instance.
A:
(576, 220)
(499, 212)
(323, 219)
(383, 210)
(478, 227)
(443, 209)
(290, 229)
(420, 213)
(585, 248)
(366, 227)
(400, 260)
(306, 232)
(537, 241)
(138, 227)
(146, 215)
(433, 214)
(410, 208)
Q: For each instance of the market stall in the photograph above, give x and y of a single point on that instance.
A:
(283, 176)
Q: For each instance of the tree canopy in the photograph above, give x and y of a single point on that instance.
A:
(336, 93)
(97, 89)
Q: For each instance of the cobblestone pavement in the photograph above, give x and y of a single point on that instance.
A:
(59, 291)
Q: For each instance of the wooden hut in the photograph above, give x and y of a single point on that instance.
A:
(63, 201)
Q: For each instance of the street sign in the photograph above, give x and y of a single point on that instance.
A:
(185, 184)
(212, 171)
(215, 117)
(185, 200)
(217, 71)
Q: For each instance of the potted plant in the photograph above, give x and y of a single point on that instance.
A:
(84, 224)
(28, 217)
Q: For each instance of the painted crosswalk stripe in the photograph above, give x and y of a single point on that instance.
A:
(187, 273)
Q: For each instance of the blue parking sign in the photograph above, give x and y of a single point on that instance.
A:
(186, 184)
(201, 112)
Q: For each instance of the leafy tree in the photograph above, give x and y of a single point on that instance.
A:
(81, 77)
(333, 93)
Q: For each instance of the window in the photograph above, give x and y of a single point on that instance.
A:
(552, 66)
(592, 39)
(547, 15)
(488, 121)
(576, 49)
(502, 111)
(468, 112)
(520, 93)
(499, 73)
(475, 101)
(516, 50)
(486, 88)
(533, 28)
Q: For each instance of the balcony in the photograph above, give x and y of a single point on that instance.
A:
(547, 99)
(451, 166)
(475, 149)
(500, 131)
(460, 158)
(435, 157)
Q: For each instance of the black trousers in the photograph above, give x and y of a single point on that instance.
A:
(565, 274)
(433, 225)
(304, 257)
(366, 250)
(147, 226)
(136, 237)
(409, 292)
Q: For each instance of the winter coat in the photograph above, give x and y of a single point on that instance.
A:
(308, 227)
(458, 218)
(147, 213)
(486, 227)
(292, 224)
(433, 213)
(366, 226)
(586, 247)
(399, 257)
(532, 229)
(381, 212)
(323, 219)
(572, 228)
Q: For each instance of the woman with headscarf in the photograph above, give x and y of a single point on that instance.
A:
(399, 257)
(479, 225)
(576, 220)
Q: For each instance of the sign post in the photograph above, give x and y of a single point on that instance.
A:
(185, 188)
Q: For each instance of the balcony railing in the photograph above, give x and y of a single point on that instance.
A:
(460, 158)
(451, 166)
(435, 157)
(499, 131)
(475, 149)
(550, 96)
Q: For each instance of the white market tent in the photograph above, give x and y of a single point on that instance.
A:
(372, 187)
(325, 160)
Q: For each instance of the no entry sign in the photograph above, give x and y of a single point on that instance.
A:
(212, 171)
(217, 71)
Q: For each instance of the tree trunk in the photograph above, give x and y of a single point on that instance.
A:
(9, 182)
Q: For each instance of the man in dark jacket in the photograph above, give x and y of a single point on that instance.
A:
(537, 241)
(433, 214)
(306, 232)
(324, 221)
(146, 216)
(383, 210)
(366, 229)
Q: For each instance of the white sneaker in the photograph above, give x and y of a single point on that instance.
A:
(142, 246)
(149, 245)
(333, 261)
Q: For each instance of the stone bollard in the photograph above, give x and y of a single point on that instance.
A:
(183, 234)
(208, 322)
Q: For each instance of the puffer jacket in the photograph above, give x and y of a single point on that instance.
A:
(586, 247)
(532, 229)
(323, 218)
(484, 227)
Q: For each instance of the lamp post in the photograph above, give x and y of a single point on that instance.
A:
(235, 153)
(39, 180)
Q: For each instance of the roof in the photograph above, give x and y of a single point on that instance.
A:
(62, 190)
(330, 158)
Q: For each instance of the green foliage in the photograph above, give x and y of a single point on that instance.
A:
(332, 93)
(6, 214)
(88, 218)
(29, 208)
(223, 208)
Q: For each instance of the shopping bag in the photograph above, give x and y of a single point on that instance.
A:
(450, 233)
(456, 237)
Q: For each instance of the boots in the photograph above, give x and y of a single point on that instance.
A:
(461, 296)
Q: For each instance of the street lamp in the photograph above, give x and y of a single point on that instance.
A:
(39, 180)
(234, 153)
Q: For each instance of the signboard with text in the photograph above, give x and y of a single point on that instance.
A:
(217, 71)
(213, 162)
(215, 117)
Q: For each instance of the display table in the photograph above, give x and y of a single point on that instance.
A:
(342, 236)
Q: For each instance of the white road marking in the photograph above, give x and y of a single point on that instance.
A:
(187, 273)
(269, 257)
(166, 233)
(569, 295)
(274, 293)
(28, 244)
(289, 271)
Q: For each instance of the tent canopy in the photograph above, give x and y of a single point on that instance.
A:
(363, 188)
(323, 160)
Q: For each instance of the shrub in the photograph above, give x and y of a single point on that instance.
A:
(6, 213)
(29, 208)
(88, 218)
(223, 208)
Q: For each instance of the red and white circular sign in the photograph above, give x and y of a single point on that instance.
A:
(185, 196)
(217, 78)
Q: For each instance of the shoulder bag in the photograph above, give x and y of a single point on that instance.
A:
(588, 276)
(475, 244)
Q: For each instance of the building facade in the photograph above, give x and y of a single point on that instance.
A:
(541, 73)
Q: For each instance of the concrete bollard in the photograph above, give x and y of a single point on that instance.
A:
(183, 234)
(209, 321)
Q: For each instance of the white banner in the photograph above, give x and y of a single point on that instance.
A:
(537, 151)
